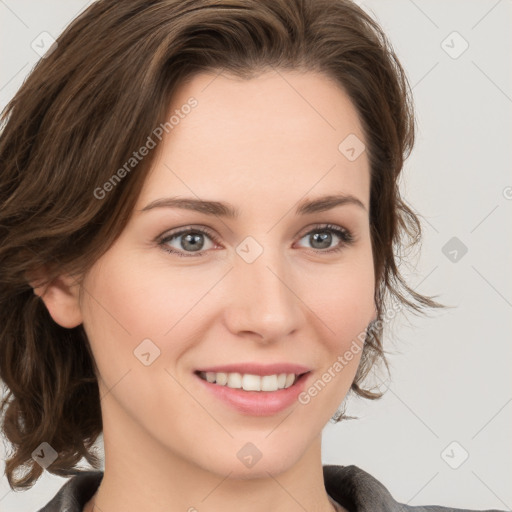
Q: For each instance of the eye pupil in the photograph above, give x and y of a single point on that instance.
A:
(324, 237)
(189, 242)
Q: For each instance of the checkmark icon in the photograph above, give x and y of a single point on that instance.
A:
(454, 455)
(44, 44)
(454, 45)
(249, 249)
(44, 455)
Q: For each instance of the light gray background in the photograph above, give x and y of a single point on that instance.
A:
(450, 372)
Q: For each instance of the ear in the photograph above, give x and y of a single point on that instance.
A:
(61, 297)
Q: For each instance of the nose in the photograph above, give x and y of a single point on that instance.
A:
(262, 298)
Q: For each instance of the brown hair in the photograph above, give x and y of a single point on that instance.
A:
(78, 118)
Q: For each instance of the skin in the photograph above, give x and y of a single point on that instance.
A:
(262, 145)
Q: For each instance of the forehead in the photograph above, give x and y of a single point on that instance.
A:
(274, 137)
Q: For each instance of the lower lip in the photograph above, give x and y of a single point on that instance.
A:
(258, 403)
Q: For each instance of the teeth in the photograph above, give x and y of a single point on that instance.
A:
(220, 378)
(249, 382)
(252, 383)
(290, 379)
(268, 382)
(234, 380)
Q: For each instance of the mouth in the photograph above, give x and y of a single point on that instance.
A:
(251, 394)
(252, 382)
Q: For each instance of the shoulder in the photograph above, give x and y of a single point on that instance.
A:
(358, 491)
(75, 493)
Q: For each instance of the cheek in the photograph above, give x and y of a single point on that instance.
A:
(342, 297)
(128, 301)
(343, 301)
(133, 299)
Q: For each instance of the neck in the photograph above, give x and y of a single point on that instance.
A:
(132, 485)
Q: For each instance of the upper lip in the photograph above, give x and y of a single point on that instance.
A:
(257, 369)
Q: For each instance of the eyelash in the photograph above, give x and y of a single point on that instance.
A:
(344, 234)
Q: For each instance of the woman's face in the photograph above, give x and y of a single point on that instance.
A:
(268, 286)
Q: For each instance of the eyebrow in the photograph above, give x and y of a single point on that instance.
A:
(217, 208)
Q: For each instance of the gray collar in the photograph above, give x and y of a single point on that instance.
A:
(350, 486)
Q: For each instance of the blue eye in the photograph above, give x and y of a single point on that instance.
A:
(193, 240)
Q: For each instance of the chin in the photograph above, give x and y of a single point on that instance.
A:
(246, 459)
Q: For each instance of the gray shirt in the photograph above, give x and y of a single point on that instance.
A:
(350, 486)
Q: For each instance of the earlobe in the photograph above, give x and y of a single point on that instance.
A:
(61, 298)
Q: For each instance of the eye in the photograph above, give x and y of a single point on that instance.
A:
(193, 240)
(321, 238)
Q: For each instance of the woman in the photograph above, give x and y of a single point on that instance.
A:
(200, 212)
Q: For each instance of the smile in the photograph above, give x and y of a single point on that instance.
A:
(254, 395)
(250, 382)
